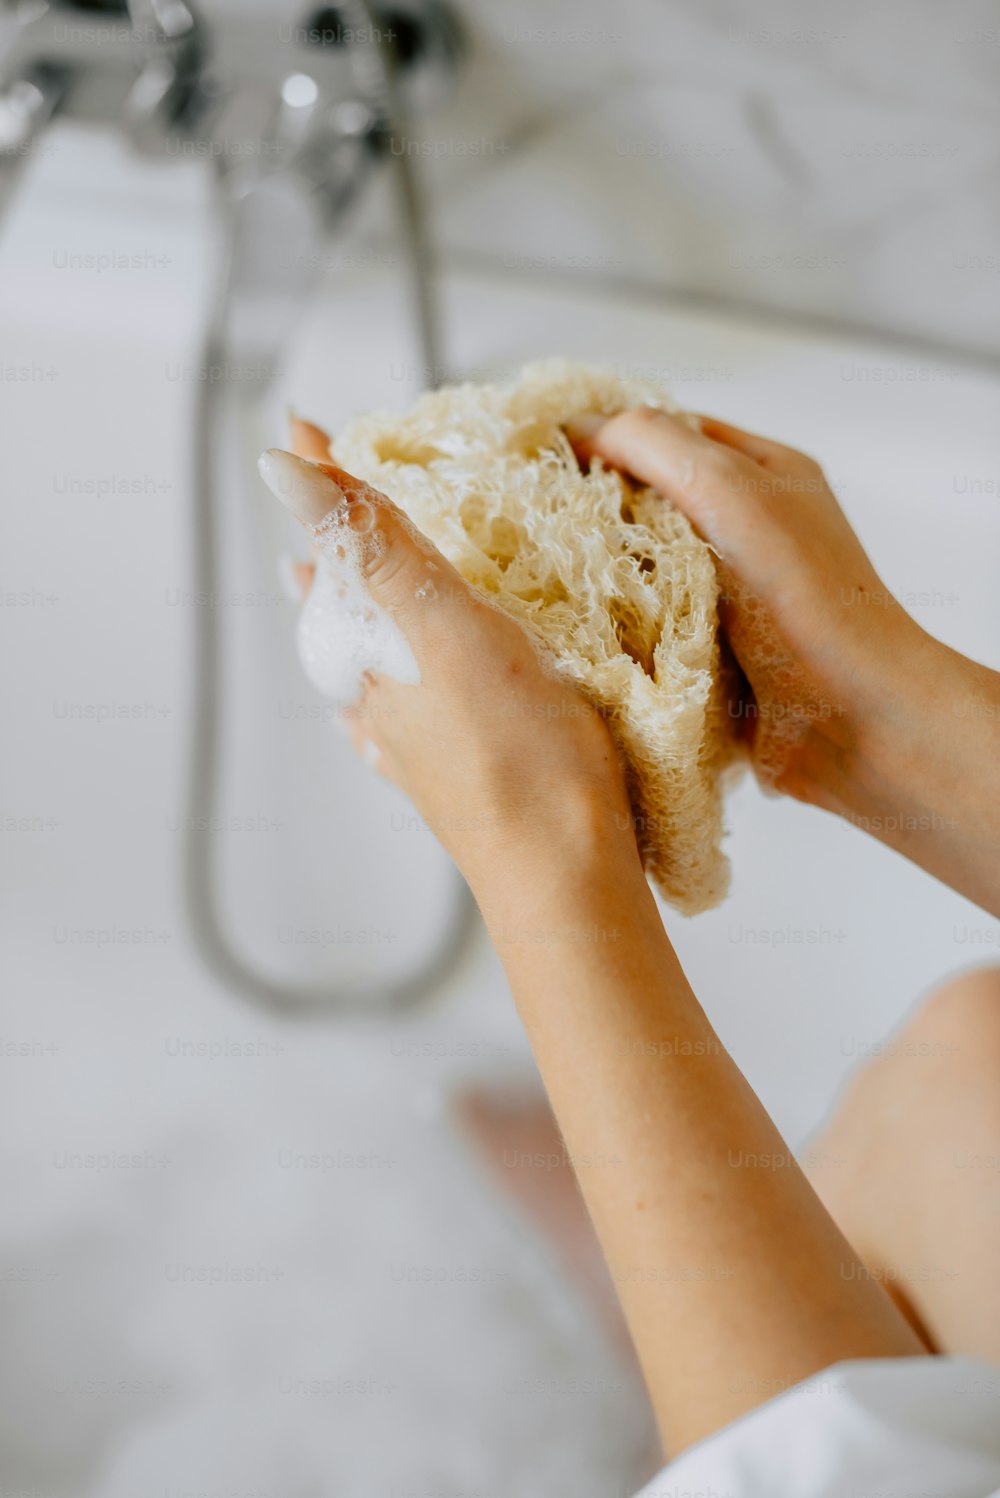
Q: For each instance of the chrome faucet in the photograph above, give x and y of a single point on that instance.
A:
(253, 95)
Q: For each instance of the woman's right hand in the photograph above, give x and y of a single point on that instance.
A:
(795, 582)
(851, 705)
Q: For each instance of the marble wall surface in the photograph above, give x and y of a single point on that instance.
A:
(839, 160)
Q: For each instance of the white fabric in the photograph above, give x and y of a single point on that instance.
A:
(876, 1428)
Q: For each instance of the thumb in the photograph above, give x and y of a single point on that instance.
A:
(710, 483)
(401, 568)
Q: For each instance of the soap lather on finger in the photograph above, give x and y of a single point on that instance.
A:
(350, 623)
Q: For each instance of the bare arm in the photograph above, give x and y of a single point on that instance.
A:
(734, 1279)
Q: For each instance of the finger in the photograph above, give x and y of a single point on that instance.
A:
(774, 456)
(581, 432)
(308, 440)
(304, 574)
(296, 578)
(703, 478)
(403, 572)
(291, 584)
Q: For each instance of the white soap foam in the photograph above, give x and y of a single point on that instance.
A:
(342, 632)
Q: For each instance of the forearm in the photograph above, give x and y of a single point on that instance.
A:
(920, 767)
(734, 1280)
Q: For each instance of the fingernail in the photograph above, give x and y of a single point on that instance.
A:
(302, 487)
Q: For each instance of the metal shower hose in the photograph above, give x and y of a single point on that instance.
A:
(214, 945)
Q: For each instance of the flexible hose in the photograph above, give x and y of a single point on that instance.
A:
(377, 76)
(201, 891)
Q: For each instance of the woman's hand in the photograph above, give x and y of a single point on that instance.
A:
(498, 755)
(795, 583)
(852, 706)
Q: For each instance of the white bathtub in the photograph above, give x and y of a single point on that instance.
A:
(320, 1156)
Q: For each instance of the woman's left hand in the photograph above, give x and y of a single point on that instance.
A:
(501, 759)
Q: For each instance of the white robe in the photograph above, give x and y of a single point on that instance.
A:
(875, 1428)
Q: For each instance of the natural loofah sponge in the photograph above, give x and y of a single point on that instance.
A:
(606, 575)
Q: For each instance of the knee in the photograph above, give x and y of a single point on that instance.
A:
(943, 1062)
(959, 1025)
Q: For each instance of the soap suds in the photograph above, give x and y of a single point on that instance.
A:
(342, 632)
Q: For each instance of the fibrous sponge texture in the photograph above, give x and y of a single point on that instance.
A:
(608, 577)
